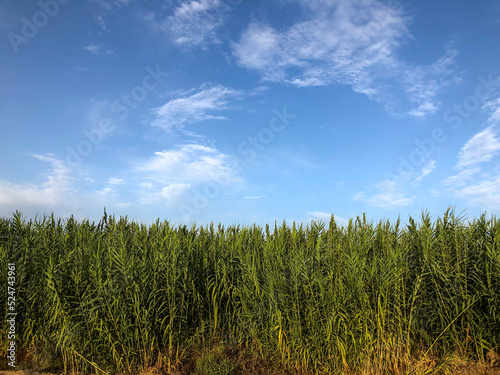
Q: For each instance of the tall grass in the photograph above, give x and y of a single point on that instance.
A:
(118, 296)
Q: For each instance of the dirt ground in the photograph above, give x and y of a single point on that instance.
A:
(475, 369)
(489, 367)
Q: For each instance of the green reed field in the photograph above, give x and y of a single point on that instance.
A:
(118, 296)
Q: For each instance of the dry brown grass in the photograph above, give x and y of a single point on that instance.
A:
(247, 363)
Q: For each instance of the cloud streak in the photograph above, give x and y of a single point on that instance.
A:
(394, 193)
(92, 48)
(480, 148)
(197, 107)
(478, 187)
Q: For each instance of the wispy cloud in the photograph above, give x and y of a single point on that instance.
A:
(108, 4)
(201, 106)
(493, 107)
(116, 181)
(484, 194)
(395, 193)
(168, 195)
(428, 169)
(480, 148)
(106, 192)
(255, 197)
(82, 68)
(193, 23)
(191, 163)
(392, 194)
(423, 83)
(101, 22)
(92, 48)
(346, 42)
(461, 178)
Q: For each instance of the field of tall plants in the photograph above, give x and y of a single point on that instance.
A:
(119, 296)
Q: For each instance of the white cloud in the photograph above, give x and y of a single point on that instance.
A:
(318, 215)
(168, 195)
(101, 22)
(189, 164)
(104, 4)
(174, 190)
(193, 23)
(53, 191)
(426, 170)
(484, 194)
(164, 180)
(116, 181)
(480, 148)
(82, 68)
(107, 5)
(461, 178)
(255, 197)
(359, 196)
(61, 191)
(106, 191)
(494, 107)
(92, 48)
(345, 42)
(194, 108)
(325, 216)
(394, 192)
(391, 195)
(479, 189)
(173, 176)
(423, 83)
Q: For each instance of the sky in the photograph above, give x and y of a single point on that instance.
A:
(243, 112)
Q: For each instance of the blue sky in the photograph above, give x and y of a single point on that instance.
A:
(239, 111)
